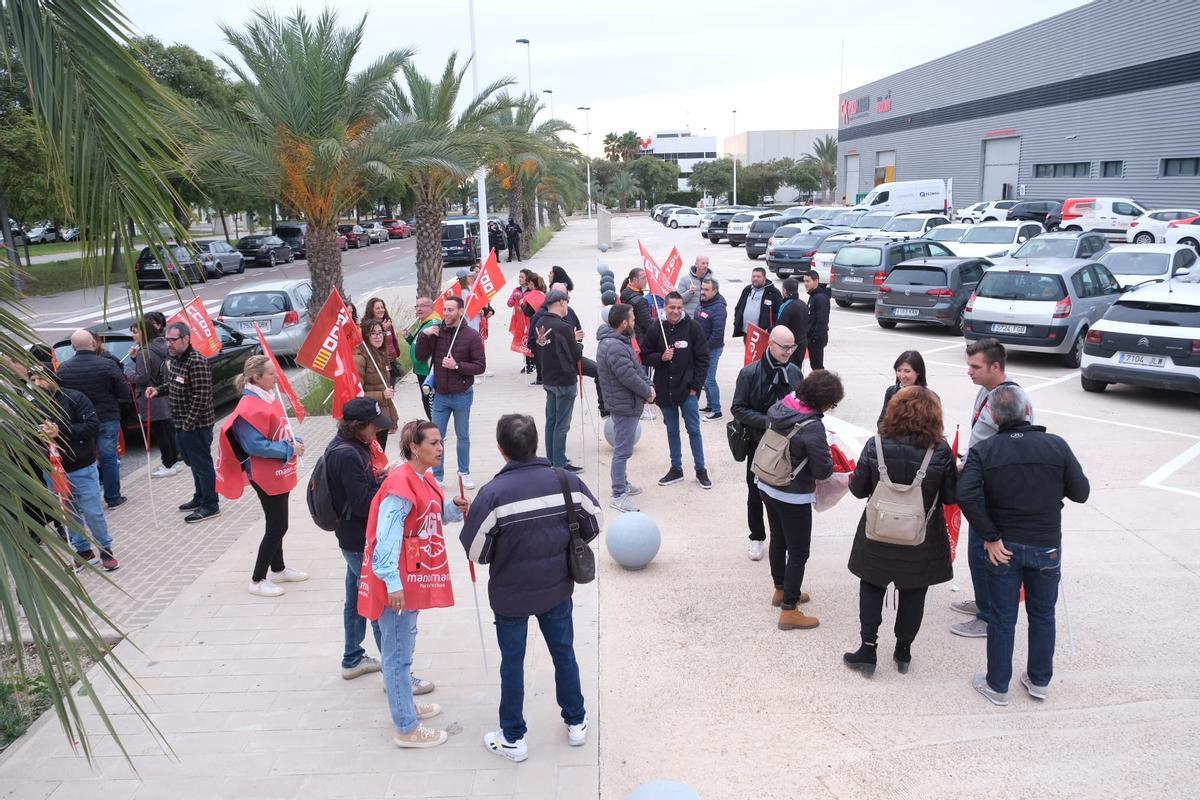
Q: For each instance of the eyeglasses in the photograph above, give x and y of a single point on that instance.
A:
(787, 348)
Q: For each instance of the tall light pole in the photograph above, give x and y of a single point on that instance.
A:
(735, 157)
(528, 66)
(587, 154)
(481, 174)
(551, 93)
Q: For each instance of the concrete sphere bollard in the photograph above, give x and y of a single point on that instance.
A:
(609, 297)
(603, 247)
(603, 268)
(610, 433)
(608, 286)
(633, 540)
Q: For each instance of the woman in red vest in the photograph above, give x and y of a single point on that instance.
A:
(405, 570)
(257, 447)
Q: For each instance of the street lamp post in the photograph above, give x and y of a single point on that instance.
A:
(587, 154)
(528, 65)
(735, 157)
(551, 93)
(481, 174)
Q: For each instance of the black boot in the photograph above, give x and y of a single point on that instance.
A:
(862, 659)
(903, 657)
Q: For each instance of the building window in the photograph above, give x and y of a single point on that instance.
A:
(1076, 169)
(1112, 169)
(1180, 167)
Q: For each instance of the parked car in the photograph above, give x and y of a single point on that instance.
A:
(68, 234)
(175, 267)
(789, 229)
(995, 211)
(1033, 210)
(844, 219)
(666, 208)
(861, 267)
(683, 217)
(1151, 227)
(219, 257)
(912, 226)
(759, 235)
(824, 213)
(280, 308)
(718, 225)
(1184, 231)
(356, 237)
(1061, 244)
(265, 250)
(377, 231)
(1149, 338)
(43, 232)
(924, 196)
(796, 211)
(1111, 216)
(932, 291)
(1053, 220)
(971, 214)
(822, 262)
(947, 233)
(398, 228)
(460, 240)
(871, 223)
(795, 254)
(994, 239)
(739, 226)
(1047, 306)
(1133, 264)
(296, 235)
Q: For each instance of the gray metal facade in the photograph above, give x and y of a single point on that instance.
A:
(1136, 66)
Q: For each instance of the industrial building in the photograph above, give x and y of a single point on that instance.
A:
(755, 147)
(682, 148)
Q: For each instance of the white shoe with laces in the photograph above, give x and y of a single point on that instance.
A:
(164, 472)
(265, 588)
(577, 734)
(623, 504)
(514, 751)
(756, 550)
(287, 575)
(466, 479)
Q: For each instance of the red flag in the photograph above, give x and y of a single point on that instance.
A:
(379, 460)
(653, 274)
(756, 343)
(331, 327)
(439, 305)
(204, 333)
(62, 486)
(953, 513)
(346, 383)
(669, 274)
(284, 384)
(487, 284)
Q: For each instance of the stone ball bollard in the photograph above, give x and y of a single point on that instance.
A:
(608, 298)
(633, 540)
(603, 247)
(610, 432)
(662, 790)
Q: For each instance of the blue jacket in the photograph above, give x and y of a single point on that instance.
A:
(711, 316)
(518, 525)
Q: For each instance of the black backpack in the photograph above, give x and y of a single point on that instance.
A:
(320, 497)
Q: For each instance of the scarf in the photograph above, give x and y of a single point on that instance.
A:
(778, 372)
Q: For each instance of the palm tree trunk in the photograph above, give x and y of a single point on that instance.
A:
(531, 227)
(429, 247)
(324, 264)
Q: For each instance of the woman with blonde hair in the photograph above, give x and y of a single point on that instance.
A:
(370, 359)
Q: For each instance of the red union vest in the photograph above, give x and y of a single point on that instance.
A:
(272, 475)
(424, 568)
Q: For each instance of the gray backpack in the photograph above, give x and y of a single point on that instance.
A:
(895, 512)
(773, 457)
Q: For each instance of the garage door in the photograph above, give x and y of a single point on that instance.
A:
(1001, 158)
(850, 180)
(885, 166)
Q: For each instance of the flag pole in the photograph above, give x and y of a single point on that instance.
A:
(462, 492)
(146, 440)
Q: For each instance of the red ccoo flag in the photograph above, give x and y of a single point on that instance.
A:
(953, 513)
(669, 274)
(654, 277)
(453, 290)
(204, 333)
(329, 350)
(487, 284)
(756, 343)
(285, 385)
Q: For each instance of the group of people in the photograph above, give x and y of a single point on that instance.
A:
(506, 236)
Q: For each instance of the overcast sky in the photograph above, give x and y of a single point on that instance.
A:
(652, 65)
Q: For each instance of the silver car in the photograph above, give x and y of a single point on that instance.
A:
(279, 307)
(377, 231)
(1046, 306)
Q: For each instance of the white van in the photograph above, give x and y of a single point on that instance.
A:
(926, 197)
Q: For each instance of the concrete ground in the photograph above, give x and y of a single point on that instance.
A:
(685, 674)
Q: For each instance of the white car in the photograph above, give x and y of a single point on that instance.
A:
(947, 233)
(872, 223)
(1188, 234)
(970, 214)
(739, 226)
(1151, 227)
(995, 211)
(1132, 264)
(912, 226)
(684, 218)
(1111, 216)
(822, 261)
(1149, 338)
(994, 239)
(42, 233)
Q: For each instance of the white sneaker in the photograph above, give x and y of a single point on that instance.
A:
(365, 666)
(288, 575)
(577, 734)
(623, 503)
(265, 588)
(466, 479)
(647, 414)
(164, 472)
(631, 490)
(756, 551)
(513, 751)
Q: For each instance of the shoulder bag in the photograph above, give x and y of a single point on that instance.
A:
(581, 561)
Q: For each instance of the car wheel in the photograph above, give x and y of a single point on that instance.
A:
(1144, 238)
(241, 265)
(886, 323)
(291, 257)
(1090, 385)
(674, 224)
(715, 239)
(959, 323)
(1074, 356)
(989, 219)
(1192, 243)
(1072, 228)
(220, 270)
(966, 221)
(843, 303)
(751, 256)
(271, 259)
(732, 243)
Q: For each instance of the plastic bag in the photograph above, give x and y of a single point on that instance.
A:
(831, 490)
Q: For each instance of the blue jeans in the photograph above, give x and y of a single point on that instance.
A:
(110, 464)
(977, 561)
(85, 508)
(691, 421)
(1039, 569)
(196, 448)
(460, 406)
(624, 435)
(559, 633)
(399, 640)
(560, 403)
(354, 623)
(711, 390)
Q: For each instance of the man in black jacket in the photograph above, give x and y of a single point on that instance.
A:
(759, 386)
(586, 365)
(104, 384)
(1011, 490)
(631, 295)
(513, 233)
(758, 305)
(818, 319)
(559, 351)
(680, 363)
(793, 315)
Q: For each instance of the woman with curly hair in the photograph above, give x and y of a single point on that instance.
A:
(909, 440)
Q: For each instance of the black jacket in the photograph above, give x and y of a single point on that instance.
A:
(768, 312)
(887, 398)
(759, 386)
(559, 356)
(642, 321)
(928, 563)
(559, 275)
(101, 379)
(352, 487)
(711, 315)
(496, 238)
(794, 317)
(810, 442)
(818, 315)
(78, 427)
(685, 373)
(512, 230)
(1013, 485)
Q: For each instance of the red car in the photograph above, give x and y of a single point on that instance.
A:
(356, 237)
(341, 242)
(397, 228)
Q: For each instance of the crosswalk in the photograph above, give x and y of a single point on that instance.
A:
(75, 319)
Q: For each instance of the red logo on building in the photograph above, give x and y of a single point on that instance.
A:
(883, 104)
(645, 143)
(852, 108)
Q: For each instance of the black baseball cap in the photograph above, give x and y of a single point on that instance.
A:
(364, 409)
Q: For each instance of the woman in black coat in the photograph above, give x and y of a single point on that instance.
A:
(559, 275)
(910, 371)
(912, 426)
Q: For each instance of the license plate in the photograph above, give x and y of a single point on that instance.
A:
(851, 280)
(1141, 360)
(1008, 328)
(906, 312)
(248, 327)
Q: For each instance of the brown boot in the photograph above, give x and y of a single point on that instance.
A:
(777, 597)
(795, 619)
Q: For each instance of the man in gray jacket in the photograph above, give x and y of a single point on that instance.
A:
(690, 285)
(626, 391)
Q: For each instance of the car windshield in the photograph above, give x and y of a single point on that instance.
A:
(876, 220)
(742, 217)
(451, 233)
(1129, 262)
(846, 218)
(858, 257)
(945, 233)
(764, 226)
(1021, 286)
(982, 235)
(832, 245)
(806, 240)
(1145, 312)
(917, 276)
(904, 225)
(255, 304)
(289, 231)
(250, 241)
(823, 214)
(786, 231)
(1050, 247)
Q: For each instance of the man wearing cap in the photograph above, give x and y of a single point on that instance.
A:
(559, 351)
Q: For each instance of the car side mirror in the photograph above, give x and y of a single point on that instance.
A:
(1022, 239)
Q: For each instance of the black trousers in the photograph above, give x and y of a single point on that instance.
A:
(590, 370)
(754, 505)
(816, 356)
(908, 616)
(426, 399)
(162, 433)
(270, 549)
(791, 537)
(514, 248)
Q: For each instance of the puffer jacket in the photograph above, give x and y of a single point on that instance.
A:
(641, 311)
(712, 315)
(810, 442)
(100, 378)
(623, 381)
(755, 393)
(928, 563)
(887, 398)
(372, 377)
(689, 287)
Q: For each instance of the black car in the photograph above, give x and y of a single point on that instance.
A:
(219, 257)
(1036, 210)
(932, 291)
(177, 266)
(861, 267)
(795, 255)
(718, 226)
(265, 250)
(295, 234)
(761, 232)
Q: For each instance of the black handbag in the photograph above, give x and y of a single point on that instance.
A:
(740, 441)
(581, 561)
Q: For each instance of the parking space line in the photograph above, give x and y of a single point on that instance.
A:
(1055, 381)
(1007, 372)
(1039, 410)
(1168, 469)
(872, 328)
(954, 346)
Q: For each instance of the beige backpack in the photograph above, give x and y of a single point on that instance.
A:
(773, 457)
(896, 513)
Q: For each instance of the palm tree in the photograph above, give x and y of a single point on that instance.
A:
(467, 139)
(612, 147)
(824, 158)
(630, 146)
(111, 158)
(625, 186)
